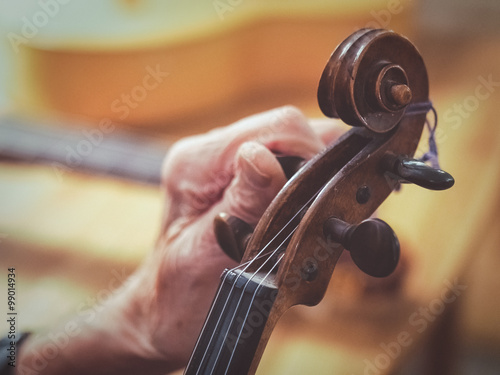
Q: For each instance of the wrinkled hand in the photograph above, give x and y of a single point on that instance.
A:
(231, 170)
(151, 324)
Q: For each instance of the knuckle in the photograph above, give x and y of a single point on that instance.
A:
(290, 119)
(176, 159)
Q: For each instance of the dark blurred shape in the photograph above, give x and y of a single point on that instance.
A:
(118, 153)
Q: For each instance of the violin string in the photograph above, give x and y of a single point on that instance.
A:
(205, 324)
(260, 253)
(218, 320)
(246, 265)
(225, 303)
(249, 308)
(235, 310)
(242, 293)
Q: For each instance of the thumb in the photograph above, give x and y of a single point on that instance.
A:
(258, 178)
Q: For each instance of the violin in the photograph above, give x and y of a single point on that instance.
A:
(376, 81)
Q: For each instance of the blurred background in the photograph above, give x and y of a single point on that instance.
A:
(92, 93)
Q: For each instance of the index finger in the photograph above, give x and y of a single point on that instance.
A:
(328, 129)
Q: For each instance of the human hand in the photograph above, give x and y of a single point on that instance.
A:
(151, 324)
(229, 170)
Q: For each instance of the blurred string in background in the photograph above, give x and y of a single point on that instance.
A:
(106, 86)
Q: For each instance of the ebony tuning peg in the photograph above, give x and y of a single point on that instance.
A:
(420, 174)
(373, 244)
(232, 234)
(290, 164)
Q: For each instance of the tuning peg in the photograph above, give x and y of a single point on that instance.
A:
(421, 174)
(232, 234)
(290, 164)
(373, 244)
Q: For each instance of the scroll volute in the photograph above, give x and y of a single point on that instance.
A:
(376, 81)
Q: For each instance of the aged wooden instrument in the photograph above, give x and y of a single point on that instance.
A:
(376, 81)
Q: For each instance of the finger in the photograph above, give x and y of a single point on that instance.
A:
(198, 169)
(288, 132)
(258, 178)
(328, 130)
(284, 130)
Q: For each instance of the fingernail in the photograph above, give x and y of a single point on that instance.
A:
(251, 159)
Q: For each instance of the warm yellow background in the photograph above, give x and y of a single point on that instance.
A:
(70, 237)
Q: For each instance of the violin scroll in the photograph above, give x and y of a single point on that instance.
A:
(376, 81)
(371, 79)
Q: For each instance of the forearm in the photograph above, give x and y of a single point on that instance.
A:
(91, 352)
(114, 341)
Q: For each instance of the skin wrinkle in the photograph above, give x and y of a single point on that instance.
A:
(252, 170)
(191, 279)
(250, 194)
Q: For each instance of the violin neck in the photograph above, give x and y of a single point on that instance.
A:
(235, 326)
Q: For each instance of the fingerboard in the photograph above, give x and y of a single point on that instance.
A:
(234, 326)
